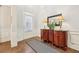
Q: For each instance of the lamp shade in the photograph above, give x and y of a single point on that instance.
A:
(44, 21)
(61, 18)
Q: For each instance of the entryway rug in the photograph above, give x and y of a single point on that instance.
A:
(40, 47)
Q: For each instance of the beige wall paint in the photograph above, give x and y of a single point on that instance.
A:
(8, 25)
(5, 21)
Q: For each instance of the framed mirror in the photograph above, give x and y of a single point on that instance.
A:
(55, 20)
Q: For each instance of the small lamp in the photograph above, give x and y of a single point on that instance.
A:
(44, 22)
(61, 19)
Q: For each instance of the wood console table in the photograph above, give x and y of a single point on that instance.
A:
(57, 38)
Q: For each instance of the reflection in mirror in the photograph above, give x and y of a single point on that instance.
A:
(55, 20)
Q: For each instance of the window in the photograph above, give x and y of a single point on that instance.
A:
(27, 22)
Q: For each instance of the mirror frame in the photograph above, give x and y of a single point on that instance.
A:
(52, 16)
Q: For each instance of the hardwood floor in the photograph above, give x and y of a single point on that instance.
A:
(24, 48)
(21, 48)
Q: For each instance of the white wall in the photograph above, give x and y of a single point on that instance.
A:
(20, 18)
(70, 13)
(49, 10)
(13, 31)
(73, 20)
(11, 23)
(8, 24)
(71, 17)
(5, 21)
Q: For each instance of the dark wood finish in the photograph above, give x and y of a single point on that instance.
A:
(22, 47)
(60, 39)
(45, 34)
(51, 36)
(57, 38)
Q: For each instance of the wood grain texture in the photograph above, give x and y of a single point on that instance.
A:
(21, 48)
(24, 48)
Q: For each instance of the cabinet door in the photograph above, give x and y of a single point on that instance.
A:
(41, 34)
(44, 34)
(51, 36)
(56, 37)
(62, 39)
